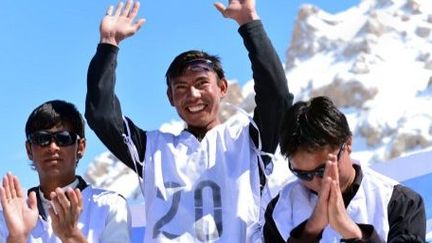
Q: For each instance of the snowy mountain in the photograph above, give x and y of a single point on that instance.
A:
(373, 60)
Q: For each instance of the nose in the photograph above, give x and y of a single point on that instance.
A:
(53, 146)
(194, 92)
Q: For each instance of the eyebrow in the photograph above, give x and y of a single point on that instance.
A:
(197, 79)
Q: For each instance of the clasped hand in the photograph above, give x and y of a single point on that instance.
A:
(330, 208)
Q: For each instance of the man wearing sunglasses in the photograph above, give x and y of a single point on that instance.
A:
(203, 184)
(334, 198)
(63, 208)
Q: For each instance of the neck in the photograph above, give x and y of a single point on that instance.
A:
(350, 179)
(49, 185)
(198, 132)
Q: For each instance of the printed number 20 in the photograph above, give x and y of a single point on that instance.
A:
(199, 204)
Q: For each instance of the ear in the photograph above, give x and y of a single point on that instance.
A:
(348, 145)
(81, 148)
(169, 95)
(29, 151)
(223, 85)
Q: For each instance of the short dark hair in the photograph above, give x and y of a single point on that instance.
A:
(178, 65)
(52, 113)
(313, 125)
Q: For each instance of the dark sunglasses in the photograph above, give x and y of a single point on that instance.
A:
(308, 175)
(198, 65)
(44, 138)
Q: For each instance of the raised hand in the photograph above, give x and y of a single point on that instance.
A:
(242, 11)
(120, 24)
(20, 217)
(65, 213)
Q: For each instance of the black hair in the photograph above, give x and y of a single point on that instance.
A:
(178, 65)
(312, 126)
(52, 113)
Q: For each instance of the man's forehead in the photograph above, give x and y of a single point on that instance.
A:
(193, 75)
(305, 156)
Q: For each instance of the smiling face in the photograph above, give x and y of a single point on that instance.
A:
(56, 164)
(196, 95)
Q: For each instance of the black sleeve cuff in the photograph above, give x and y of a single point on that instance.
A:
(249, 27)
(369, 235)
(297, 234)
(105, 47)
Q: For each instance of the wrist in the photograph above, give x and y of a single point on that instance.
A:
(74, 236)
(312, 229)
(16, 238)
(109, 40)
(353, 232)
(248, 18)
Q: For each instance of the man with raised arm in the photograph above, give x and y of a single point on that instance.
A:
(204, 183)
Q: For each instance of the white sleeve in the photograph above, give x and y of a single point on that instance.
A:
(118, 222)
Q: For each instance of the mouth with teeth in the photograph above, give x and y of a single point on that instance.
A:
(196, 108)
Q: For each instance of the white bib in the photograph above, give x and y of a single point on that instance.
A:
(369, 206)
(206, 191)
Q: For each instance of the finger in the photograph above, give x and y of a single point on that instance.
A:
(327, 170)
(335, 195)
(110, 10)
(54, 203)
(138, 24)
(11, 183)
(324, 193)
(75, 207)
(221, 8)
(53, 215)
(133, 13)
(335, 169)
(32, 201)
(79, 197)
(331, 160)
(17, 186)
(62, 200)
(118, 9)
(6, 187)
(127, 8)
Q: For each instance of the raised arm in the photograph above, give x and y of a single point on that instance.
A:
(20, 217)
(272, 95)
(103, 111)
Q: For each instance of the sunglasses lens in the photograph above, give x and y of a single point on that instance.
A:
(320, 172)
(65, 138)
(40, 138)
(305, 176)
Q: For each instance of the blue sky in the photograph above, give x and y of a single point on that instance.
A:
(46, 47)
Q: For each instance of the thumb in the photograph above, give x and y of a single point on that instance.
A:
(220, 7)
(139, 23)
(32, 202)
